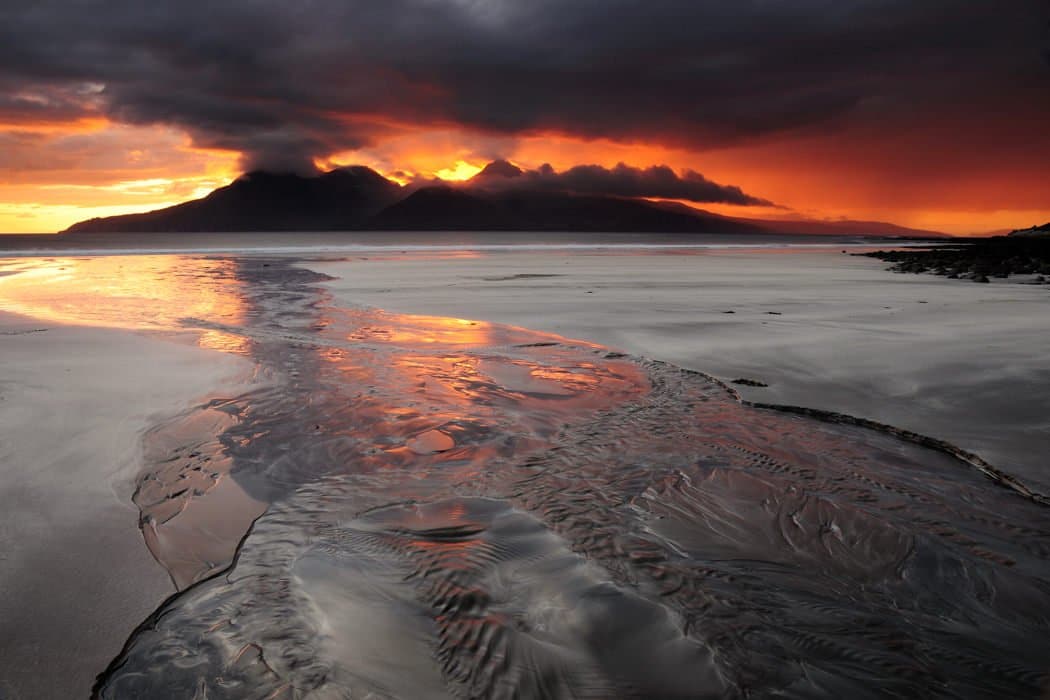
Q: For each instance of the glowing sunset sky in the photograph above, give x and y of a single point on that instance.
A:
(929, 114)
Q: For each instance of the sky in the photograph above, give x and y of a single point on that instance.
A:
(924, 113)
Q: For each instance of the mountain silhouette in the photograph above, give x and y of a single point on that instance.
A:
(358, 198)
(338, 200)
(497, 169)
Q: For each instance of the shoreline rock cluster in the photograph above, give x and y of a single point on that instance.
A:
(978, 260)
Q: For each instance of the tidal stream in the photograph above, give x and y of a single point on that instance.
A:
(418, 507)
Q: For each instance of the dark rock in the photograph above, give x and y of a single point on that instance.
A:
(749, 382)
(976, 259)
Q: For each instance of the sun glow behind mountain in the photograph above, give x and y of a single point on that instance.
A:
(98, 168)
(925, 118)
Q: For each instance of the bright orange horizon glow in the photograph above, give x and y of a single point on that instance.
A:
(460, 172)
(69, 172)
(56, 174)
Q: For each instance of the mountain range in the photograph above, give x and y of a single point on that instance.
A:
(496, 199)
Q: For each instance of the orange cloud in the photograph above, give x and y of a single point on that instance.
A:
(53, 175)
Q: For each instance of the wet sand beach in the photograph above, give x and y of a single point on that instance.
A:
(75, 578)
(945, 358)
(371, 486)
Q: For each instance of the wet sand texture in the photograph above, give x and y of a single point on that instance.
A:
(951, 359)
(461, 509)
(75, 578)
(423, 506)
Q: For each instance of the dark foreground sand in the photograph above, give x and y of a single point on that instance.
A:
(75, 576)
(951, 359)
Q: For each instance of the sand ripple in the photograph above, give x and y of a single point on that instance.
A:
(446, 508)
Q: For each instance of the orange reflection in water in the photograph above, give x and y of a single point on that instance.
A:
(449, 536)
(453, 390)
(408, 330)
(415, 331)
(135, 292)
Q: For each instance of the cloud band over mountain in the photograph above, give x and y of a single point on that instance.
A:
(284, 83)
(656, 182)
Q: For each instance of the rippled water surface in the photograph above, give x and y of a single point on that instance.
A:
(421, 507)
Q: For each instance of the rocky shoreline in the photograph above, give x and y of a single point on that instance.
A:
(978, 260)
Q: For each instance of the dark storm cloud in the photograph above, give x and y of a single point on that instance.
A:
(46, 103)
(658, 181)
(282, 82)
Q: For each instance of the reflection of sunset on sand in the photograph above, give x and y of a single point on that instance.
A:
(421, 330)
(155, 292)
(194, 511)
(414, 330)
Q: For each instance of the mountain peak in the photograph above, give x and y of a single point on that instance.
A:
(353, 170)
(499, 168)
(264, 200)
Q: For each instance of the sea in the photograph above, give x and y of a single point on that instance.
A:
(313, 243)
